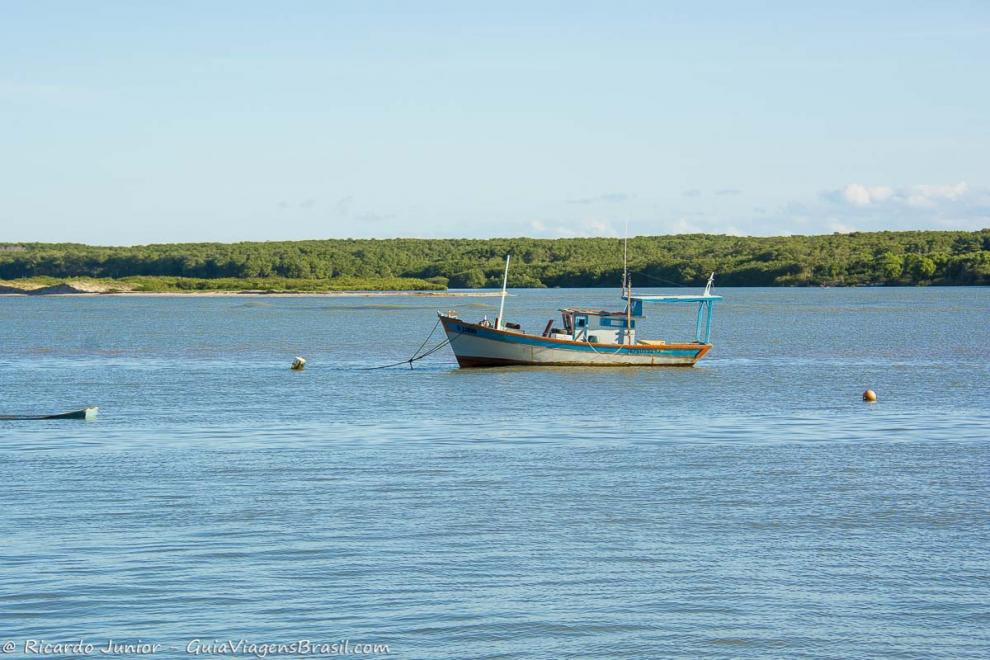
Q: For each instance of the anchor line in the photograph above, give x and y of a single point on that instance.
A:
(417, 355)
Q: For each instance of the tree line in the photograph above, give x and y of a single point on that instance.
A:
(860, 258)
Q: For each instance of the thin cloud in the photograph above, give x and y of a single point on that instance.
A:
(372, 218)
(856, 194)
(607, 198)
(862, 207)
(577, 229)
(926, 196)
(728, 192)
(693, 192)
(700, 225)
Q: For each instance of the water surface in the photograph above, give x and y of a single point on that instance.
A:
(752, 506)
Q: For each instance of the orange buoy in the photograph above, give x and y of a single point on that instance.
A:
(870, 396)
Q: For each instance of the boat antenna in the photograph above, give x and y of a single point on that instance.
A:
(499, 323)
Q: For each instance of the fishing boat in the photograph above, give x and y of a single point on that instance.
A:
(585, 337)
(85, 413)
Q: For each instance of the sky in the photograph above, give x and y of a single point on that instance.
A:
(139, 122)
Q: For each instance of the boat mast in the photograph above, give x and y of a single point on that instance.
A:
(499, 323)
(625, 256)
(628, 284)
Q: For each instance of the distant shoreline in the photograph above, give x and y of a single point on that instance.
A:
(260, 294)
(86, 286)
(853, 259)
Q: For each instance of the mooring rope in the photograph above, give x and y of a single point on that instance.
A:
(428, 338)
(417, 355)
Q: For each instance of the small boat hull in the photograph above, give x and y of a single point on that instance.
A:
(85, 413)
(475, 345)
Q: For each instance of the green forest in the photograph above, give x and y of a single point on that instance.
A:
(855, 259)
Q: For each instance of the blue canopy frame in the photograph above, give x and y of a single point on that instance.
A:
(704, 320)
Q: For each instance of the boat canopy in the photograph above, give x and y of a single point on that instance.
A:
(703, 324)
(674, 299)
(702, 300)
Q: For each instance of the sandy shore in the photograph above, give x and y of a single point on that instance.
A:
(260, 294)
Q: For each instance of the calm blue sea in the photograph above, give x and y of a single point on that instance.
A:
(752, 506)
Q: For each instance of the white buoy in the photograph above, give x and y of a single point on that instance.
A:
(298, 364)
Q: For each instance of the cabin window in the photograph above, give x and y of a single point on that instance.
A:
(581, 323)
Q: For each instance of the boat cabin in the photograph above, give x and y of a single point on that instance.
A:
(593, 326)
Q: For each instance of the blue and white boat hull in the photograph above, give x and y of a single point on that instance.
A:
(477, 345)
